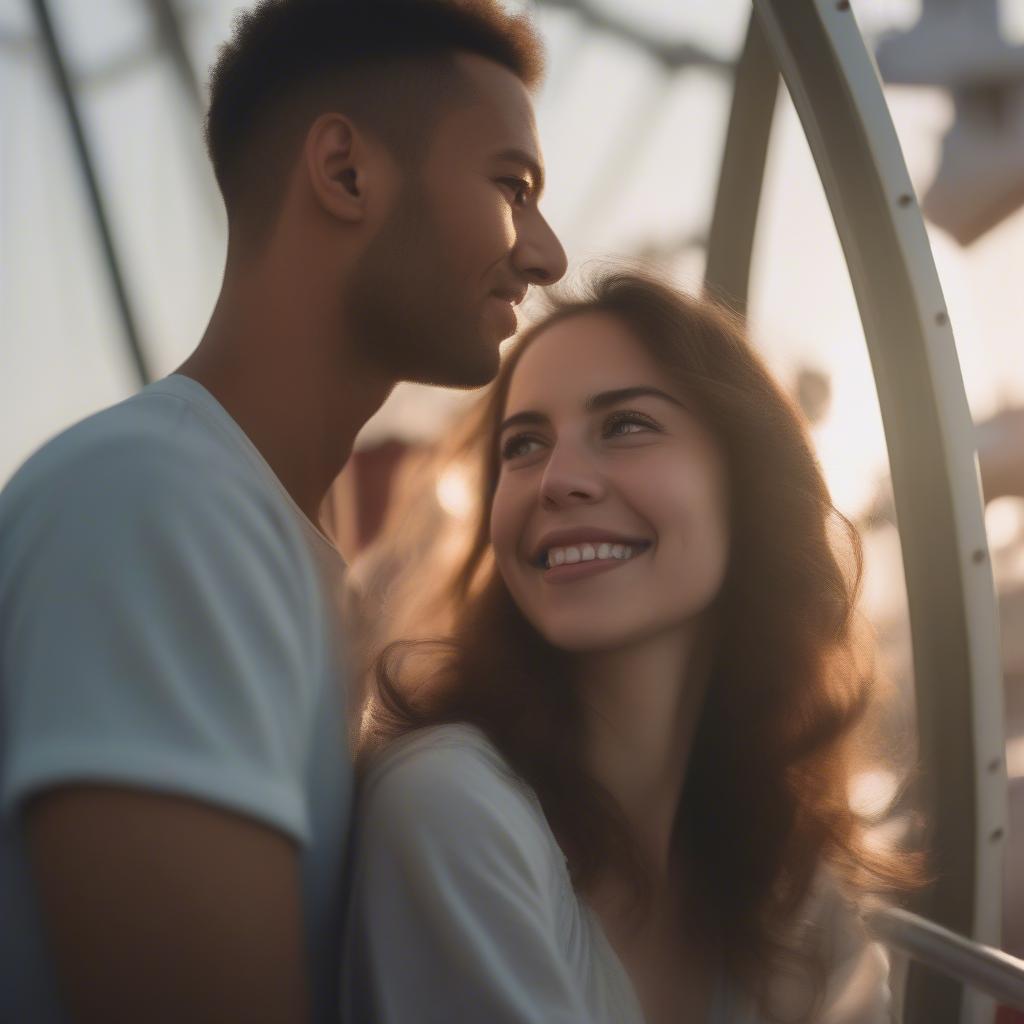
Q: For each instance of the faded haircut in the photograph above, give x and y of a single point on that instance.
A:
(388, 64)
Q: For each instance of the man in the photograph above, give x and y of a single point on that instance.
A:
(174, 778)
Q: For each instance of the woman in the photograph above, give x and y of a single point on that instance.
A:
(616, 791)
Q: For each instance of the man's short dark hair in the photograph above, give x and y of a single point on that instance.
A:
(290, 60)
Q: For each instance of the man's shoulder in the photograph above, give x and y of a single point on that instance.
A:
(153, 432)
(154, 454)
(151, 474)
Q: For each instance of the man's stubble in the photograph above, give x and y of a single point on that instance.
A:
(409, 311)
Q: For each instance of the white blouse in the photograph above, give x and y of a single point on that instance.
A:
(462, 909)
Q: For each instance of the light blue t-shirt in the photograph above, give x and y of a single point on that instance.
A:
(168, 622)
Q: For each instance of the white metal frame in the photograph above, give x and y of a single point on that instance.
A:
(835, 89)
(988, 970)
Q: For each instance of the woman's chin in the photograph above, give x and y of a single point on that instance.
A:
(584, 637)
(578, 634)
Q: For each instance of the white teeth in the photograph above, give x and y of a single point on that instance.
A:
(572, 554)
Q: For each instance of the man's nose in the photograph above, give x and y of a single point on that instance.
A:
(539, 256)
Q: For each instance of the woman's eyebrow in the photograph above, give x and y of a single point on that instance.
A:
(595, 403)
(520, 418)
(608, 398)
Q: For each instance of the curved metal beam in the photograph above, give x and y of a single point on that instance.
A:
(85, 161)
(172, 36)
(672, 55)
(731, 238)
(836, 92)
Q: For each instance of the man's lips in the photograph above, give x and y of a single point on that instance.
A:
(508, 314)
(510, 295)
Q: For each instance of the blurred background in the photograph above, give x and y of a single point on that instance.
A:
(112, 239)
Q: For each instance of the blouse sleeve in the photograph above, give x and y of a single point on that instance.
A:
(856, 980)
(452, 914)
(857, 990)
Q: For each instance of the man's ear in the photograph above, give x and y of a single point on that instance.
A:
(338, 164)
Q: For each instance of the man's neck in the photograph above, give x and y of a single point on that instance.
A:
(290, 385)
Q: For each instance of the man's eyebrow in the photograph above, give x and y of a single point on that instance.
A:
(595, 403)
(520, 156)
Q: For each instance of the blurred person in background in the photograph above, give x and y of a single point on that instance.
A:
(611, 780)
(174, 767)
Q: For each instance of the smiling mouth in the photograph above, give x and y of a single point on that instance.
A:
(512, 298)
(604, 554)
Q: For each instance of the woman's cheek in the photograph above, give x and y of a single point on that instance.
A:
(503, 525)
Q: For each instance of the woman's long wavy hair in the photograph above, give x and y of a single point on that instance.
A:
(766, 797)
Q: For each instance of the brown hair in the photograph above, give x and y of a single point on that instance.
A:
(765, 802)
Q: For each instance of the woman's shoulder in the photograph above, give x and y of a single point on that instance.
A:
(449, 784)
(456, 753)
(466, 739)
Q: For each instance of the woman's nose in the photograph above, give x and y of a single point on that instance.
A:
(569, 478)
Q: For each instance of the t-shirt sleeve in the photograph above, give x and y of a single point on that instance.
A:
(453, 913)
(159, 629)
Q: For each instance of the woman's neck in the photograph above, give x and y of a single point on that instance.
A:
(641, 706)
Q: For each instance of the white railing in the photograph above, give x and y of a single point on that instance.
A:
(980, 967)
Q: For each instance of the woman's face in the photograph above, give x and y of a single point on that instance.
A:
(609, 522)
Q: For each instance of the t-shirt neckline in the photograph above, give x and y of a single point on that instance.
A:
(181, 386)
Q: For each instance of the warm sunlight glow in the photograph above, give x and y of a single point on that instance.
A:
(454, 494)
(872, 793)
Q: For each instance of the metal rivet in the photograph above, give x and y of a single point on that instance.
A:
(994, 764)
(905, 200)
(996, 835)
(941, 319)
(978, 556)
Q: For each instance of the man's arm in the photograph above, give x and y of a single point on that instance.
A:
(162, 660)
(160, 908)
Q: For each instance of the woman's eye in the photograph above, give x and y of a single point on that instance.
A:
(629, 423)
(518, 446)
(520, 189)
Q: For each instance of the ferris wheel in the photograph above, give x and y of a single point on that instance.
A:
(833, 83)
(816, 48)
